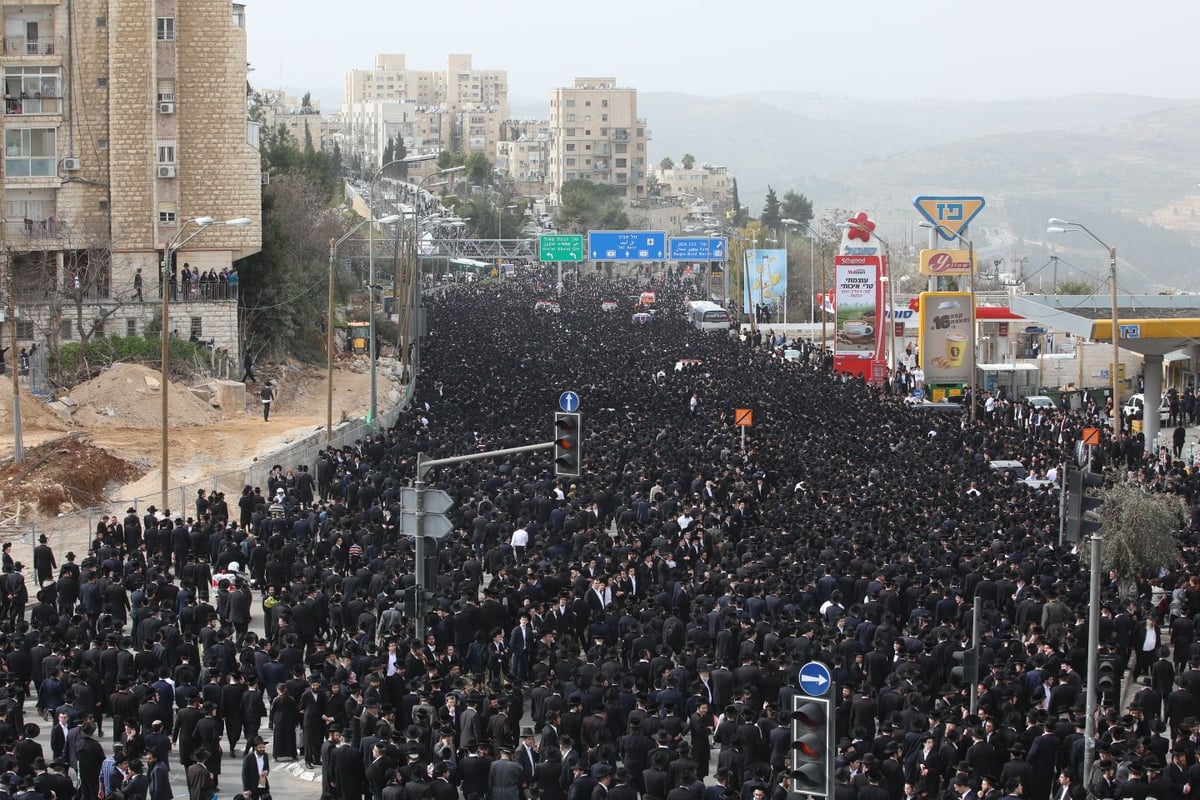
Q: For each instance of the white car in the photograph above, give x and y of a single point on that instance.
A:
(1135, 408)
(1039, 401)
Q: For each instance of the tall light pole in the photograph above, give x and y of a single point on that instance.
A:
(886, 277)
(787, 228)
(177, 243)
(1063, 226)
(499, 247)
(333, 248)
(971, 351)
(371, 269)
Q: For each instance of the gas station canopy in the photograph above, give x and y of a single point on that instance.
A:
(1148, 324)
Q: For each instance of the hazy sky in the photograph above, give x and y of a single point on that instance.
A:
(884, 49)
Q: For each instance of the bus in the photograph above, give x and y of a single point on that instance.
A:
(706, 316)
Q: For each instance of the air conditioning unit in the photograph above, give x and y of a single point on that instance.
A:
(166, 171)
(166, 108)
(72, 164)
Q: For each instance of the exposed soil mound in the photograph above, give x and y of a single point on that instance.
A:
(64, 475)
(35, 414)
(127, 396)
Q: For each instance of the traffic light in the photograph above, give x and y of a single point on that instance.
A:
(1108, 680)
(966, 671)
(812, 752)
(1083, 510)
(567, 453)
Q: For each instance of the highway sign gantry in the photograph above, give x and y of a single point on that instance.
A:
(567, 247)
(627, 245)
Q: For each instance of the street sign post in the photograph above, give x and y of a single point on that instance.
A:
(566, 247)
(698, 248)
(627, 245)
(949, 215)
(432, 505)
(568, 402)
(815, 679)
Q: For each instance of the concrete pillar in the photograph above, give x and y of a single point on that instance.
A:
(1152, 371)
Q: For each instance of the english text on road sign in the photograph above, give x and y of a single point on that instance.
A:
(743, 417)
(560, 247)
(698, 248)
(568, 402)
(627, 245)
(949, 215)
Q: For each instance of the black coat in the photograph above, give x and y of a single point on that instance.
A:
(250, 771)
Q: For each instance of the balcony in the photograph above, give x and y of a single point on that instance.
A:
(38, 104)
(26, 46)
(30, 230)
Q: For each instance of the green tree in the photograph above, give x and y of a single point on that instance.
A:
(478, 169)
(445, 160)
(308, 140)
(738, 217)
(688, 161)
(770, 215)
(589, 206)
(306, 106)
(666, 163)
(1075, 287)
(797, 207)
(336, 158)
(399, 152)
(1141, 532)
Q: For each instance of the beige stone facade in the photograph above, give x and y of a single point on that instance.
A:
(523, 155)
(598, 136)
(281, 109)
(114, 143)
(458, 109)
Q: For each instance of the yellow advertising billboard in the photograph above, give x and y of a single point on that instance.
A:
(946, 338)
(946, 263)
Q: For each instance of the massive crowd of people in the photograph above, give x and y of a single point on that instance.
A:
(635, 631)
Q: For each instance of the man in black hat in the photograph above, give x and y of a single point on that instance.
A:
(505, 777)
(313, 708)
(43, 561)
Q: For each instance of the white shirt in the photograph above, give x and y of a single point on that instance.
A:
(520, 538)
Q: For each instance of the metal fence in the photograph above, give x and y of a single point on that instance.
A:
(74, 532)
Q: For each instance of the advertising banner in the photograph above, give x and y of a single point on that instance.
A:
(766, 280)
(942, 263)
(946, 337)
(858, 326)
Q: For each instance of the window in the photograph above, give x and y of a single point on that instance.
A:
(166, 216)
(166, 29)
(98, 331)
(570, 131)
(239, 16)
(570, 146)
(621, 163)
(622, 178)
(64, 329)
(131, 326)
(30, 152)
(604, 104)
(621, 148)
(570, 103)
(166, 152)
(587, 132)
(102, 205)
(197, 327)
(166, 90)
(102, 144)
(587, 103)
(604, 117)
(32, 90)
(101, 22)
(570, 162)
(25, 329)
(570, 117)
(101, 82)
(587, 117)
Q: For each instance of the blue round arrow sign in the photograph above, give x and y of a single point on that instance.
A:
(815, 679)
(568, 402)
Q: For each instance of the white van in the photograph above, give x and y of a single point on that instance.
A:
(1135, 408)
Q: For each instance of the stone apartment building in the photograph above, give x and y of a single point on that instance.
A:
(523, 155)
(598, 136)
(457, 109)
(282, 109)
(705, 190)
(124, 121)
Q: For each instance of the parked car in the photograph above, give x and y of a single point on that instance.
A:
(1135, 408)
(1039, 401)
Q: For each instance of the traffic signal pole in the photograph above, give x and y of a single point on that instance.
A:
(1093, 664)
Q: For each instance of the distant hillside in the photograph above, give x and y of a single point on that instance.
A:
(1113, 161)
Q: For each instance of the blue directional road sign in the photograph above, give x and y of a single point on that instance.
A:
(815, 679)
(568, 402)
(627, 245)
(698, 248)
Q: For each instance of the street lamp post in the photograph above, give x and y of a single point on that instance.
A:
(1063, 226)
(787, 227)
(971, 289)
(176, 244)
(333, 248)
(371, 269)
(1093, 666)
